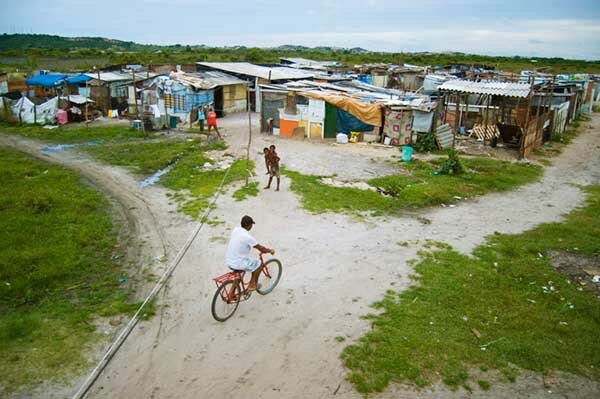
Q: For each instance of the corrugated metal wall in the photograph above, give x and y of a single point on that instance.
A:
(271, 104)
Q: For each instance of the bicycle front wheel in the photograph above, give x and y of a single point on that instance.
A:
(269, 276)
(226, 300)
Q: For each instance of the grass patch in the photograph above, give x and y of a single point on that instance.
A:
(75, 133)
(422, 186)
(56, 270)
(195, 187)
(503, 308)
(559, 140)
(148, 157)
(484, 385)
(251, 190)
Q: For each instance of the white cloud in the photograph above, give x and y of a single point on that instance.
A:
(560, 38)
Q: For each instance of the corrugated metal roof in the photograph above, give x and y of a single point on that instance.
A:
(245, 68)
(204, 80)
(220, 78)
(121, 76)
(109, 76)
(490, 87)
(381, 96)
(297, 62)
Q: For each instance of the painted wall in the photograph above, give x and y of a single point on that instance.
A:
(234, 98)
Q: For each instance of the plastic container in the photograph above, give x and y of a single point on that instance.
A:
(172, 122)
(61, 117)
(341, 138)
(407, 153)
(136, 124)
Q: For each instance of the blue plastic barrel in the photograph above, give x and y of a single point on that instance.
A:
(407, 153)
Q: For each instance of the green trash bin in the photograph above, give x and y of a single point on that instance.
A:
(172, 122)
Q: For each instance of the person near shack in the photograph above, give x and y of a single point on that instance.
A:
(201, 118)
(273, 167)
(212, 122)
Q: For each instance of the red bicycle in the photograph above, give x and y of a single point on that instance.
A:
(231, 288)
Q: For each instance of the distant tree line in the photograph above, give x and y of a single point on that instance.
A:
(29, 51)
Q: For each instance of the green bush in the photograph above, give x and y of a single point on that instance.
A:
(425, 143)
(452, 165)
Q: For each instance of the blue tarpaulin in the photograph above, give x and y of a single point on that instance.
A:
(52, 80)
(347, 123)
(75, 80)
(368, 79)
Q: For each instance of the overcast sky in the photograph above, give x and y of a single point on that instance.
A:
(561, 28)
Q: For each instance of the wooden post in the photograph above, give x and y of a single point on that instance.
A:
(524, 136)
(445, 107)
(456, 121)
(549, 105)
(436, 115)
(87, 96)
(537, 110)
(466, 114)
(137, 110)
(21, 108)
(100, 85)
(249, 134)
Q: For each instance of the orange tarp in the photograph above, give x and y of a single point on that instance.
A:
(367, 112)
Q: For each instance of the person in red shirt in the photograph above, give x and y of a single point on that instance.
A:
(212, 122)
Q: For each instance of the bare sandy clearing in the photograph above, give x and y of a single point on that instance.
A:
(283, 345)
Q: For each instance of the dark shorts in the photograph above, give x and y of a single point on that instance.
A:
(274, 171)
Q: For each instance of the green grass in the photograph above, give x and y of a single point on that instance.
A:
(147, 157)
(125, 147)
(251, 190)
(57, 240)
(559, 140)
(429, 331)
(420, 187)
(195, 187)
(76, 133)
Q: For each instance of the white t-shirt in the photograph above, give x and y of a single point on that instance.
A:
(240, 245)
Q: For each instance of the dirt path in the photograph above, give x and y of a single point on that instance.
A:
(282, 345)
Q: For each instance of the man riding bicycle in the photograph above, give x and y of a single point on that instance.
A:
(238, 251)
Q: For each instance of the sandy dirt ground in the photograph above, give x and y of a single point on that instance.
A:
(283, 345)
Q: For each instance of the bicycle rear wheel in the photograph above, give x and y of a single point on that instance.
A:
(269, 276)
(226, 300)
